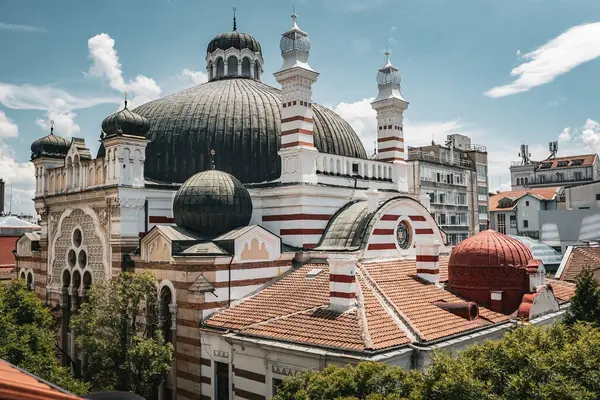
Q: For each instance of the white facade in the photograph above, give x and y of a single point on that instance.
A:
(561, 171)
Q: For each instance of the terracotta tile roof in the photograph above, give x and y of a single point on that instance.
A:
(581, 257)
(394, 308)
(562, 290)
(16, 384)
(587, 160)
(541, 193)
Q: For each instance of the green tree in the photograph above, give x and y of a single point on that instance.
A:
(585, 304)
(27, 337)
(558, 362)
(117, 330)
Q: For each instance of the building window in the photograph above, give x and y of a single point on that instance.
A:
(513, 221)
(527, 203)
(542, 178)
(578, 176)
(483, 209)
(462, 199)
(560, 177)
(482, 190)
(222, 381)
(525, 223)
(597, 196)
(482, 227)
(403, 235)
(502, 223)
(276, 385)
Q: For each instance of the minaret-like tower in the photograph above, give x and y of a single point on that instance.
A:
(389, 106)
(297, 150)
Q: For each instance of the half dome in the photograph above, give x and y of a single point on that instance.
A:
(240, 118)
(212, 203)
(52, 146)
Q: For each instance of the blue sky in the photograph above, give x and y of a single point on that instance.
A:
(70, 60)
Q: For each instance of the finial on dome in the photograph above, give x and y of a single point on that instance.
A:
(52, 127)
(294, 17)
(387, 55)
(126, 98)
(234, 22)
(212, 158)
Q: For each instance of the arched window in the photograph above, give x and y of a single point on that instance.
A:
(256, 70)
(51, 185)
(232, 66)
(166, 298)
(99, 175)
(220, 67)
(246, 66)
(30, 281)
(90, 181)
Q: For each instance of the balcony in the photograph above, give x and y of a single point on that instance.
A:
(477, 147)
(425, 156)
(555, 181)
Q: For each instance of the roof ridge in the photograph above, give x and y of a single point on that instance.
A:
(363, 323)
(397, 316)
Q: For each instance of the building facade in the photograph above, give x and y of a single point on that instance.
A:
(454, 177)
(517, 212)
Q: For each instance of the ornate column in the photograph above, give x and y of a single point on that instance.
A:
(252, 68)
(239, 68)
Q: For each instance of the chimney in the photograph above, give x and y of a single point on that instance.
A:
(428, 262)
(342, 281)
(496, 300)
(372, 200)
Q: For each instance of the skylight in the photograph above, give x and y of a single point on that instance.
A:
(313, 273)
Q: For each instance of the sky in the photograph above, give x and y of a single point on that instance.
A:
(502, 72)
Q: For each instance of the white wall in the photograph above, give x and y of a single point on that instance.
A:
(528, 213)
(583, 196)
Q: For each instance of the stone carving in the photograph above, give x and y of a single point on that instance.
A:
(102, 213)
(90, 240)
(124, 207)
(284, 371)
(54, 218)
(221, 353)
(173, 312)
(291, 165)
(255, 251)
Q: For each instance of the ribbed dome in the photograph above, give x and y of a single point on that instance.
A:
(125, 122)
(236, 40)
(490, 248)
(212, 203)
(50, 146)
(241, 119)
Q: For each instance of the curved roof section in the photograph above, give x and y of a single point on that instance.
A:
(125, 122)
(240, 119)
(50, 146)
(346, 229)
(234, 39)
(540, 251)
(490, 248)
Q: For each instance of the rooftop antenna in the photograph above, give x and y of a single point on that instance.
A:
(126, 98)
(234, 23)
(553, 147)
(374, 146)
(212, 158)
(524, 154)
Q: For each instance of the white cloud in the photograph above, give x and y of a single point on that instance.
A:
(518, 53)
(19, 175)
(196, 77)
(591, 135)
(565, 135)
(560, 55)
(64, 123)
(106, 65)
(8, 128)
(20, 28)
(393, 28)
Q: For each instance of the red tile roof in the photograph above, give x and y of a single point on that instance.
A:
(562, 290)
(394, 308)
(581, 257)
(541, 193)
(16, 384)
(587, 160)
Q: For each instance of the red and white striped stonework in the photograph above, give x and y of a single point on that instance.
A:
(342, 282)
(428, 262)
(382, 242)
(296, 117)
(390, 135)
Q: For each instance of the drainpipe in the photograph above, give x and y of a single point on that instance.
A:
(145, 216)
(229, 283)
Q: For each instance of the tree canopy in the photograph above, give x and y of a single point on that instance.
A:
(117, 328)
(585, 304)
(559, 362)
(28, 337)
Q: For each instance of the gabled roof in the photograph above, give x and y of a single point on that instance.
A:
(394, 308)
(548, 193)
(203, 249)
(583, 160)
(16, 384)
(175, 233)
(32, 236)
(576, 259)
(200, 285)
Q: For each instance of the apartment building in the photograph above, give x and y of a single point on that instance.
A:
(454, 176)
(553, 171)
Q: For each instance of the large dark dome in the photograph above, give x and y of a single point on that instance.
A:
(212, 203)
(241, 119)
(50, 146)
(236, 40)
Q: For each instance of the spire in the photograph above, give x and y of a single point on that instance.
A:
(212, 158)
(294, 17)
(126, 99)
(52, 127)
(234, 23)
(387, 56)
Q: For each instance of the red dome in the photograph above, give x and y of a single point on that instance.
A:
(488, 265)
(490, 248)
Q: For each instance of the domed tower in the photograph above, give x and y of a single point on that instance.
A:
(234, 54)
(47, 153)
(212, 203)
(390, 106)
(494, 270)
(124, 147)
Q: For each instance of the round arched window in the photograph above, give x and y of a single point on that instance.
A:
(82, 259)
(77, 237)
(72, 258)
(403, 235)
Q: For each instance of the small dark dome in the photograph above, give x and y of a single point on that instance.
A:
(50, 146)
(212, 203)
(236, 40)
(125, 122)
